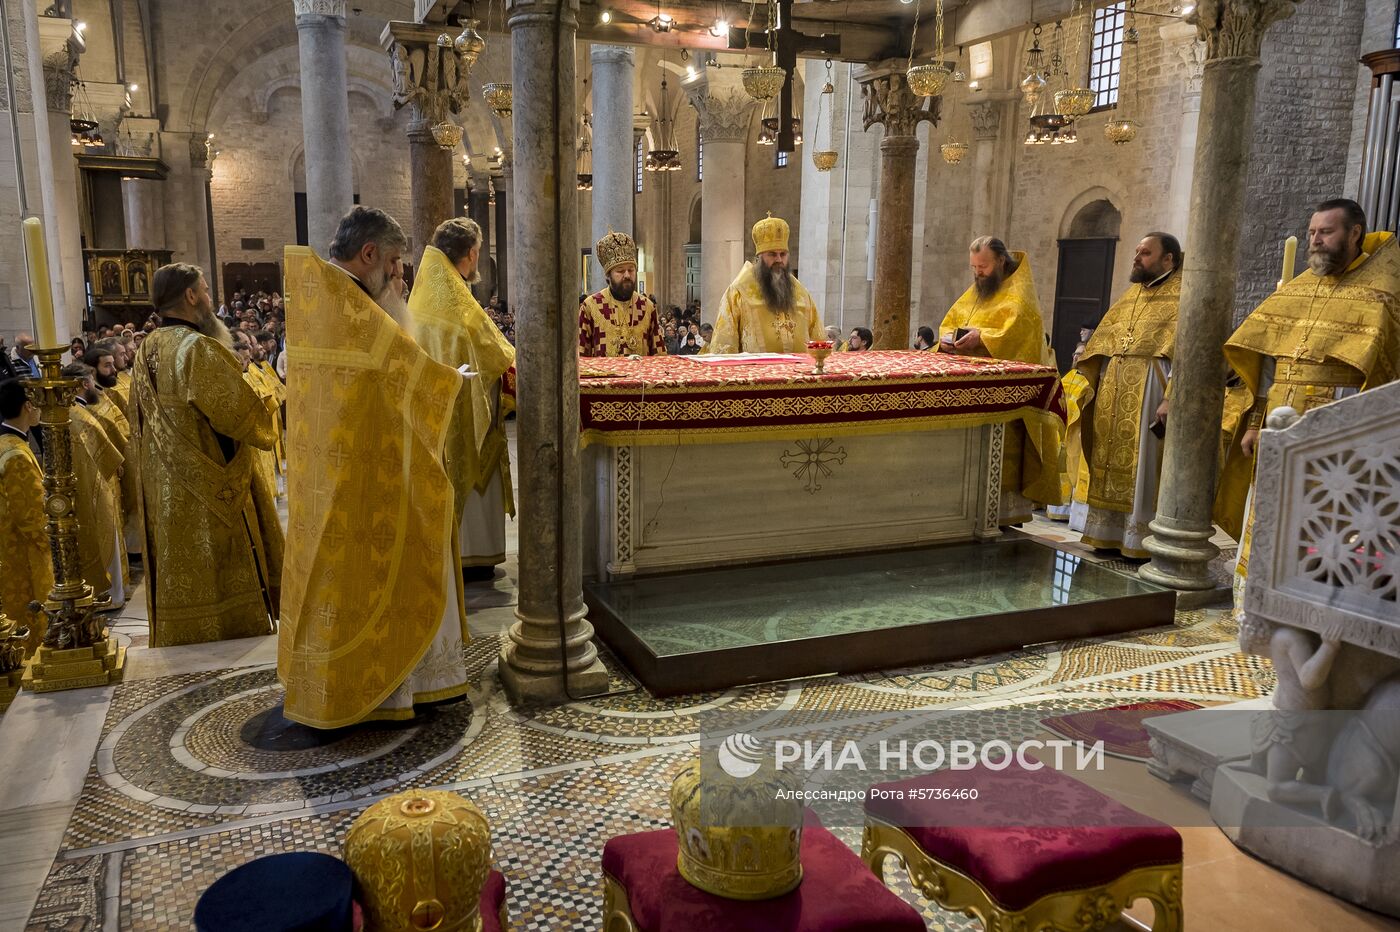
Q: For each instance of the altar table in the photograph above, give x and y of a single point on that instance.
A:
(688, 464)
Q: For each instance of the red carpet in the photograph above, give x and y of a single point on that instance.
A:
(1119, 727)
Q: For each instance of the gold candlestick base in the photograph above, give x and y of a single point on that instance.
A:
(100, 664)
(9, 688)
(77, 650)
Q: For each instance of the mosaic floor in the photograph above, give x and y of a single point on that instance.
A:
(182, 785)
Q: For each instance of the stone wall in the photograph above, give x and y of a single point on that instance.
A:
(1303, 121)
(259, 169)
(1377, 33)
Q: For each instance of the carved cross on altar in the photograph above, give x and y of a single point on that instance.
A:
(787, 42)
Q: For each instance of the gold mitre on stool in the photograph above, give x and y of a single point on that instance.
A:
(770, 234)
(420, 860)
(615, 249)
(739, 837)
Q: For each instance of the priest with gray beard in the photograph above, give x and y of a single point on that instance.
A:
(766, 309)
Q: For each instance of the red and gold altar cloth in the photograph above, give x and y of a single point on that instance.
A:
(663, 400)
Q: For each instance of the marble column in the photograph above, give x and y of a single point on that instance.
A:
(479, 209)
(325, 117)
(504, 194)
(1181, 38)
(888, 101)
(724, 110)
(60, 46)
(988, 117)
(431, 79)
(1180, 545)
(613, 154)
(202, 172)
(141, 197)
(549, 656)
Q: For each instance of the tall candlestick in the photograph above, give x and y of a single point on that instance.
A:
(45, 333)
(1290, 252)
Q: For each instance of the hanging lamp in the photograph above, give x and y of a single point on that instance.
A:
(825, 159)
(764, 82)
(928, 80)
(1075, 100)
(666, 157)
(1123, 129)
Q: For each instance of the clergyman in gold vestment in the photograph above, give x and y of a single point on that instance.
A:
(97, 466)
(209, 558)
(453, 329)
(766, 309)
(26, 570)
(1330, 332)
(372, 619)
(1000, 317)
(1127, 367)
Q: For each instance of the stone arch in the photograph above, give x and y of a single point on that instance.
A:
(1093, 212)
(296, 169)
(695, 213)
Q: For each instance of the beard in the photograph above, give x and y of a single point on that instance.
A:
(1141, 275)
(106, 381)
(989, 284)
(210, 325)
(1324, 261)
(775, 283)
(622, 291)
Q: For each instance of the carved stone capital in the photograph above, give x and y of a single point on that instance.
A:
(59, 79)
(986, 118)
(430, 76)
(201, 153)
(320, 7)
(889, 101)
(724, 113)
(1182, 39)
(1236, 28)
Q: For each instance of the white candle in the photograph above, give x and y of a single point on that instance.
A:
(1290, 252)
(45, 333)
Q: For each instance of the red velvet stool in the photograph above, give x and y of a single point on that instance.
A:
(644, 892)
(974, 856)
(493, 903)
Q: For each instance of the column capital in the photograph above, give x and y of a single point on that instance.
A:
(723, 106)
(59, 47)
(201, 153)
(1235, 28)
(542, 8)
(1184, 40)
(986, 118)
(429, 74)
(889, 101)
(612, 55)
(336, 8)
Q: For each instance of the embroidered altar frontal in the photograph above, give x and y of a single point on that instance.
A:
(676, 399)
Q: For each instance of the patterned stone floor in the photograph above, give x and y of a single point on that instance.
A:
(177, 792)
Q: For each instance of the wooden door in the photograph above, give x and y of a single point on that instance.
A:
(1082, 288)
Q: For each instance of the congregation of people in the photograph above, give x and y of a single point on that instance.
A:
(377, 414)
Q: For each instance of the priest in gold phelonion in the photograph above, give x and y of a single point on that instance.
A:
(766, 309)
(618, 321)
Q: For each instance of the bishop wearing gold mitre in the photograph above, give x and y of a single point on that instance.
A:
(766, 309)
(26, 569)
(452, 328)
(617, 321)
(97, 465)
(372, 616)
(1332, 331)
(197, 429)
(999, 316)
(1126, 368)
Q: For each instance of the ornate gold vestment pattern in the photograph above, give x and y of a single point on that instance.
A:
(747, 325)
(208, 556)
(26, 571)
(1136, 333)
(371, 506)
(453, 329)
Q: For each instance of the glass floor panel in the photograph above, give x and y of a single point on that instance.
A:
(748, 606)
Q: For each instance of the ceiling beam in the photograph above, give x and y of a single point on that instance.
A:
(981, 20)
(692, 19)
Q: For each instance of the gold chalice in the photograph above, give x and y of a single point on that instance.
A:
(819, 350)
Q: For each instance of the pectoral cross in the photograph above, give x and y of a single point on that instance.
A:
(787, 42)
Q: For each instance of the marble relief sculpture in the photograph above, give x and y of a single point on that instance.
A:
(1321, 603)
